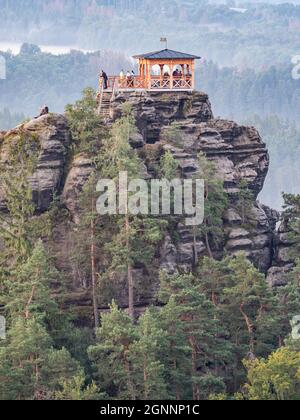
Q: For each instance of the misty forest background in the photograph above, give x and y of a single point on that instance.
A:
(247, 48)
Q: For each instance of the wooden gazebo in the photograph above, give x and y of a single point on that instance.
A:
(164, 70)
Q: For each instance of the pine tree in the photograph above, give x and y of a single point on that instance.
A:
(275, 379)
(75, 389)
(32, 365)
(117, 156)
(214, 277)
(168, 166)
(215, 203)
(146, 351)
(30, 368)
(111, 355)
(250, 312)
(89, 222)
(136, 236)
(176, 356)
(86, 126)
(28, 292)
(16, 229)
(245, 200)
(202, 331)
(291, 216)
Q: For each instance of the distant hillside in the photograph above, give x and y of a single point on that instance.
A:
(55, 80)
(265, 34)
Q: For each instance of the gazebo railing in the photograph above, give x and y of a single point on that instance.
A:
(116, 83)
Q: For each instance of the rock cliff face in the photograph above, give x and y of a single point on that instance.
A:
(282, 262)
(54, 138)
(184, 124)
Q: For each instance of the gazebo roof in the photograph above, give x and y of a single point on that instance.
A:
(167, 55)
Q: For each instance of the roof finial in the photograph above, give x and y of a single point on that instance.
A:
(164, 40)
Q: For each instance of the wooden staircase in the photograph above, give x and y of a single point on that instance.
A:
(104, 105)
(104, 99)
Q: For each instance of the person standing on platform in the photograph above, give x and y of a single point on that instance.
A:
(105, 79)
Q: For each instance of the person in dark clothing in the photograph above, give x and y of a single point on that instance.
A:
(44, 111)
(105, 79)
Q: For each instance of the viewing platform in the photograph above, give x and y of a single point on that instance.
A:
(164, 70)
(157, 83)
(160, 71)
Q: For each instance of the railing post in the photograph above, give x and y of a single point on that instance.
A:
(101, 90)
(193, 76)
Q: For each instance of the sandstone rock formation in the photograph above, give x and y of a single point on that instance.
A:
(183, 123)
(54, 138)
(80, 171)
(282, 262)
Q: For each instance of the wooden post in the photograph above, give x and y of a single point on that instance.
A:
(171, 75)
(161, 74)
(193, 75)
(149, 75)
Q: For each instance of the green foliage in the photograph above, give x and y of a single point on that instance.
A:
(255, 318)
(168, 166)
(28, 287)
(245, 92)
(190, 347)
(116, 154)
(17, 229)
(75, 389)
(215, 204)
(245, 201)
(291, 217)
(85, 124)
(50, 78)
(136, 237)
(146, 352)
(227, 40)
(201, 333)
(111, 354)
(30, 368)
(275, 379)
(173, 134)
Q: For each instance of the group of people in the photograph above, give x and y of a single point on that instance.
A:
(129, 77)
(177, 73)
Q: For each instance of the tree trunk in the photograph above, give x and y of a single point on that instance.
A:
(93, 266)
(27, 314)
(208, 246)
(129, 272)
(250, 328)
(146, 391)
(129, 379)
(195, 247)
(206, 234)
(178, 396)
(213, 298)
(196, 388)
